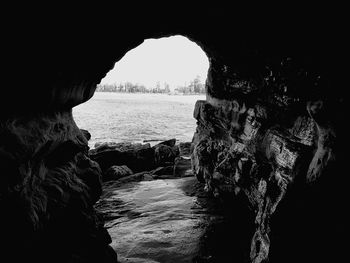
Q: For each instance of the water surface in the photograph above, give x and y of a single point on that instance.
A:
(173, 221)
(136, 117)
(154, 221)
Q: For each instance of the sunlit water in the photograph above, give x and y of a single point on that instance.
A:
(136, 117)
(154, 221)
(173, 221)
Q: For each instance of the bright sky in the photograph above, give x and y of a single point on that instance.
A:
(175, 60)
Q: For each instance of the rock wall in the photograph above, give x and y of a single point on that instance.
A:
(48, 189)
(261, 142)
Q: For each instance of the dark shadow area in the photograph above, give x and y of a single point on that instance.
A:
(229, 227)
(311, 222)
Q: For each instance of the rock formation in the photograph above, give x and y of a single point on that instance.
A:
(270, 134)
(116, 172)
(48, 190)
(259, 146)
(136, 156)
(163, 160)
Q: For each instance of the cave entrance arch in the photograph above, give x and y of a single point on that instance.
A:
(146, 107)
(149, 95)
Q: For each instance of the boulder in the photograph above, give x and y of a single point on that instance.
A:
(116, 172)
(138, 157)
(185, 148)
(176, 150)
(182, 167)
(122, 146)
(86, 134)
(104, 145)
(170, 143)
(160, 171)
(163, 154)
(90, 172)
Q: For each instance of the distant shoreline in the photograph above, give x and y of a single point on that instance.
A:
(151, 93)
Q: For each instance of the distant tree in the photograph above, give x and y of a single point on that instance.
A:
(166, 88)
(197, 84)
(194, 87)
(157, 87)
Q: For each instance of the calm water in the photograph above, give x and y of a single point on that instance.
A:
(174, 221)
(154, 221)
(136, 117)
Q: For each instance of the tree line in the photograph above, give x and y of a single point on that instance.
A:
(194, 87)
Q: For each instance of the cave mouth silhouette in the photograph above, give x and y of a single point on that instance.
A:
(66, 63)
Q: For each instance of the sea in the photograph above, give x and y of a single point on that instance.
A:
(135, 117)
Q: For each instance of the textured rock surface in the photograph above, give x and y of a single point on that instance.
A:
(163, 154)
(271, 132)
(185, 148)
(138, 157)
(48, 189)
(170, 143)
(86, 134)
(116, 172)
(182, 167)
(259, 147)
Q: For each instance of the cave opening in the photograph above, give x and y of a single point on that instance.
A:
(149, 95)
(141, 122)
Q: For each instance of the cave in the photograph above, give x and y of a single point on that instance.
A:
(270, 133)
